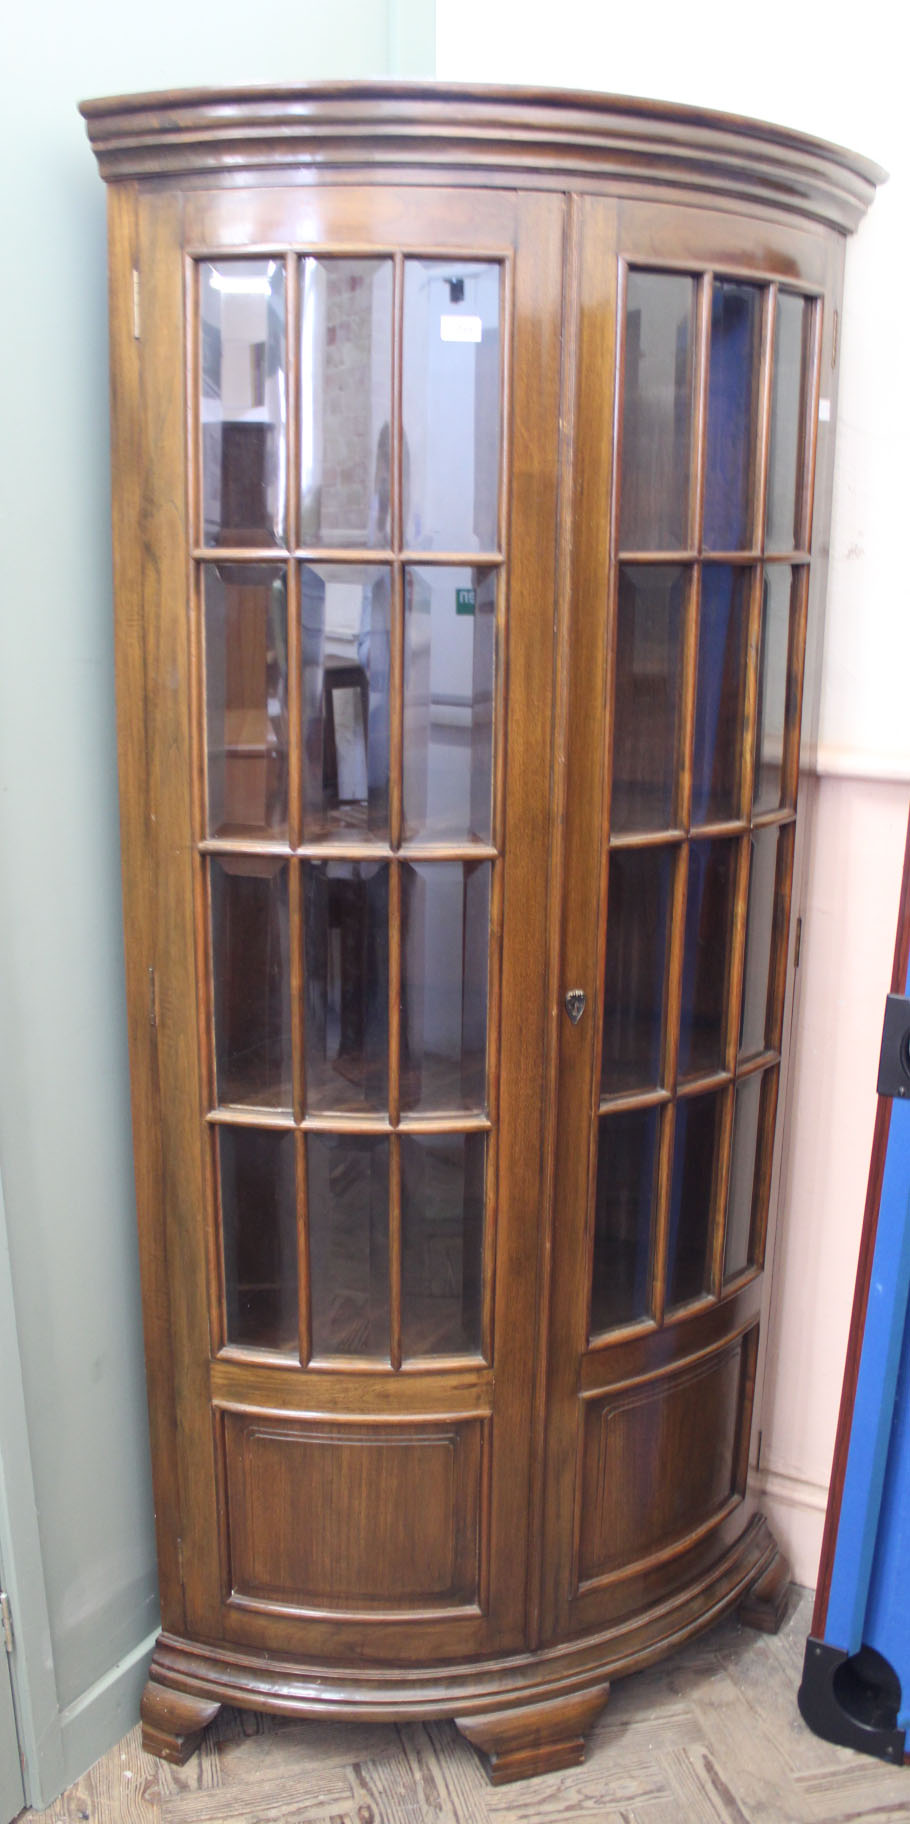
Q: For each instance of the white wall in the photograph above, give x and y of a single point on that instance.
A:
(832, 71)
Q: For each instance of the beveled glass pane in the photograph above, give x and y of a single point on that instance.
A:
(737, 1248)
(636, 968)
(623, 1217)
(442, 1205)
(346, 967)
(348, 1217)
(771, 717)
(345, 619)
(706, 956)
(251, 976)
(244, 406)
(723, 640)
(449, 648)
(451, 405)
(259, 1233)
(732, 415)
(788, 406)
(345, 401)
(759, 934)
(246, 699)
(445, 918)
(649, 636)
(657, 412)
(696, 1149)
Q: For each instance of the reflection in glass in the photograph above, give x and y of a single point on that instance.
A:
(450, 640)
(451, 405)
(623, 1213)
(696, 1149)
(646, 712)
(442, 1199)
(251, 977)
(732, 415)
(246, 699)
(345, 612)
(259, 1233)
(348, 1213)
(636, 968)
(737, 1248)
(345, 401)
(445, 918)
(771, 716)
(345, 912)
(706, 956)
(657, 412)
(759, 934)
(723, 638)
(244, 413)
(788, 408)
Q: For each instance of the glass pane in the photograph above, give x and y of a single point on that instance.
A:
(345, 617)
(445, 920)
(259, 1229)
(623, 1211)
(657, 412)
(449, 647)
(346, 925)
(649, 636)
(345, 401)
(771, 716)
(244, 412)
(696, 1148)
(251, 974)
(348, 1215)
(742, 1175)
(788, 407)
(706, 956)
(759, 933)
(450, 405)
(246, 697)
(723, 639)
(635, 977)
(732, 415)
(442, 1199)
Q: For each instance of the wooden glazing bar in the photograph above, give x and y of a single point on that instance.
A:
(731, 827)
(699, 453)
(673, 990)
(807, 495)
(661, 1223)
(471, 560)
(295, 711)
(506, 294)
(298, 996)
(750, 1067)
(293, 402)
(648, 839)
(233, 1114)
(764, 1155)
(718, 1229)
(304, 1302)
(394, 1017)
(215, 1246)
(396, 474)
(699, 1086)
(688, 684)
(782, 816)
(236, 1114)
(796, 658)
(395, 1251)
(488, 1246)
(276, 553)
(633, 1099)
(737, 559)
(737, 953)
(342, 248)
(765, 394)
(345, 850)
(750, 733)
(780, 932)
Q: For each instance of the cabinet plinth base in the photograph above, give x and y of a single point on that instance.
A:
(538, 1738)
(173, 1722)
(766, 1604)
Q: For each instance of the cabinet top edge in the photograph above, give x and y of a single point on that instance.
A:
(392, 125)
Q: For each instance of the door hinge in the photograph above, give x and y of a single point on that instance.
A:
(6, 1621)
(797, 943)
(136, 330)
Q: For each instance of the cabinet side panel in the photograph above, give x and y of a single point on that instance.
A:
(133, 739)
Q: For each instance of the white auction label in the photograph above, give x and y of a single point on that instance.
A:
(460, 329)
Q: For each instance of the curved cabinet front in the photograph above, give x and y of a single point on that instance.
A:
(463, 539)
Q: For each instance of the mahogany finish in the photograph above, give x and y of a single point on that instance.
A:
(465, 523)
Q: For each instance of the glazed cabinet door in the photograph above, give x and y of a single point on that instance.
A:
(336, 871)
(697, 395)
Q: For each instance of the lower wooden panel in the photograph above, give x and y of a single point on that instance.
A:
(659, 1461)
(328, 1517)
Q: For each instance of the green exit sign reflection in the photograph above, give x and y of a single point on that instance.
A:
(464, 601)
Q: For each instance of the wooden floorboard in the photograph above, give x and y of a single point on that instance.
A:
(711, 1736)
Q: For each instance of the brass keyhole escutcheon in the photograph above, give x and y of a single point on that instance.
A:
(576, 1000)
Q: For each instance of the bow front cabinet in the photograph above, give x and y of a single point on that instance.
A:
(471, 457)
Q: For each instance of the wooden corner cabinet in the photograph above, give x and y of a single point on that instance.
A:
(469, 518)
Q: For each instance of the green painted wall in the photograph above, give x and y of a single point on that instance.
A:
(65, 1148)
